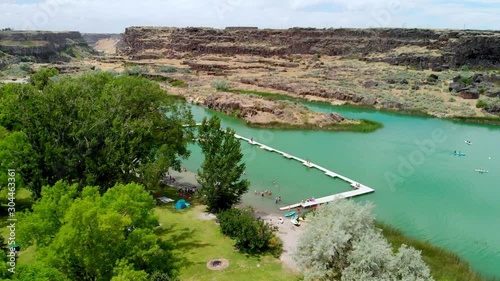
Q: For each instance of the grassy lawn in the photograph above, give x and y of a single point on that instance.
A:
(197, 241)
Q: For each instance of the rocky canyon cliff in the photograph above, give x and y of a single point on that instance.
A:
(420, 48)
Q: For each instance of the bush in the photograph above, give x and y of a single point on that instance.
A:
(451, 99)
(481, 104)
(41, 78)
(466, 80)
(221, 85)
(184, 70)
(253, 236)
(136, 70)
(178, 83)
(167, 69)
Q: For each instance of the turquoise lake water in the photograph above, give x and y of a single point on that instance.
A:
(420, 187)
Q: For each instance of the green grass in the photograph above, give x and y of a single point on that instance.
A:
(477, 120)
(445, 266)
(198, 241)
(366, 126)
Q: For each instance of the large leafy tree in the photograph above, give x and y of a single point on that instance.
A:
(220, 177)
(96, 237)
(342, 243)
(95, 130)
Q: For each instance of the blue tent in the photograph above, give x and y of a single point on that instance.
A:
(181, 204)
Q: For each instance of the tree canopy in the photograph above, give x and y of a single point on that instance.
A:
(221, 171)
(252, 235)
(342, 243)
(93, 130)
(97, 237)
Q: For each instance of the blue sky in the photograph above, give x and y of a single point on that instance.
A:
(116, 15)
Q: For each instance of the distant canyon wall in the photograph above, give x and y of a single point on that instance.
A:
(40, 46)
(420, 48)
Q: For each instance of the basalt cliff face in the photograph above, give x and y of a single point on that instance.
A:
(419, 48)
(41, 46)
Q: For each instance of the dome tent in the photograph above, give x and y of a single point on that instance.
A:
(181, 204)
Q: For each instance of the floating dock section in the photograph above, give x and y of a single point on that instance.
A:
(359, 189)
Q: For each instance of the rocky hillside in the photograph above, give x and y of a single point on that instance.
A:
(41, 46)
(419, 48)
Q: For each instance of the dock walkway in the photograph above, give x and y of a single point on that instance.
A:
(359, 189)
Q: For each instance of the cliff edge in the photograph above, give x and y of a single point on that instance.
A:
(419, 48)
(41, 46)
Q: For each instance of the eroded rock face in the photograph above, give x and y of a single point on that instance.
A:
(493, 109)
(444, 48)
(41, 46)
(472, 87)
(469, 95)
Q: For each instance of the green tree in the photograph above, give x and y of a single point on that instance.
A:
(15, 153)
(96, 130)
(222, 168)
(161, 276)
(41, 78)
(94, 237)
(252, 235)
(126, 272)
(37, 272)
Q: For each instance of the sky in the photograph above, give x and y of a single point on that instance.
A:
(113, 16)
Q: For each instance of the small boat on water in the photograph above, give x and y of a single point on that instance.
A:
(482, 171)
(289, 214)
(468, 142)
(458, 153)
(295, 220)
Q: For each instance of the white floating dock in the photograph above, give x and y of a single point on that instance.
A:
(359, 189)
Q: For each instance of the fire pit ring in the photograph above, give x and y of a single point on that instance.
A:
(217, 264)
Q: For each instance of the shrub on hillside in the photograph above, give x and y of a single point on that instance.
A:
(252, 235)
(221, 85)
(167, 69)
(136, 70)
(481, 104)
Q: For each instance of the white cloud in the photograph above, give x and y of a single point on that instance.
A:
(115, 16)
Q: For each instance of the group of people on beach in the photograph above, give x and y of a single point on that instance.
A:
(187, 191)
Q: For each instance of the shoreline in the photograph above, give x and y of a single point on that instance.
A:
(287, 232)
(437, 257)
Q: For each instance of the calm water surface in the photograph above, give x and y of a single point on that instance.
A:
(420, 187)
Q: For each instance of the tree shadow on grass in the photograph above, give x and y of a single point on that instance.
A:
(183, 241)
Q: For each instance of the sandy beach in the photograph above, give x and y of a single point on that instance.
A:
(287, 232)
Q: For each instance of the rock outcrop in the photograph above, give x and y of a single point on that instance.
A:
(43, 46)
(421, 48)
(256, 110)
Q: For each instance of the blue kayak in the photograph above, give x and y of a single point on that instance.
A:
(289, 214)
(458, 154)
